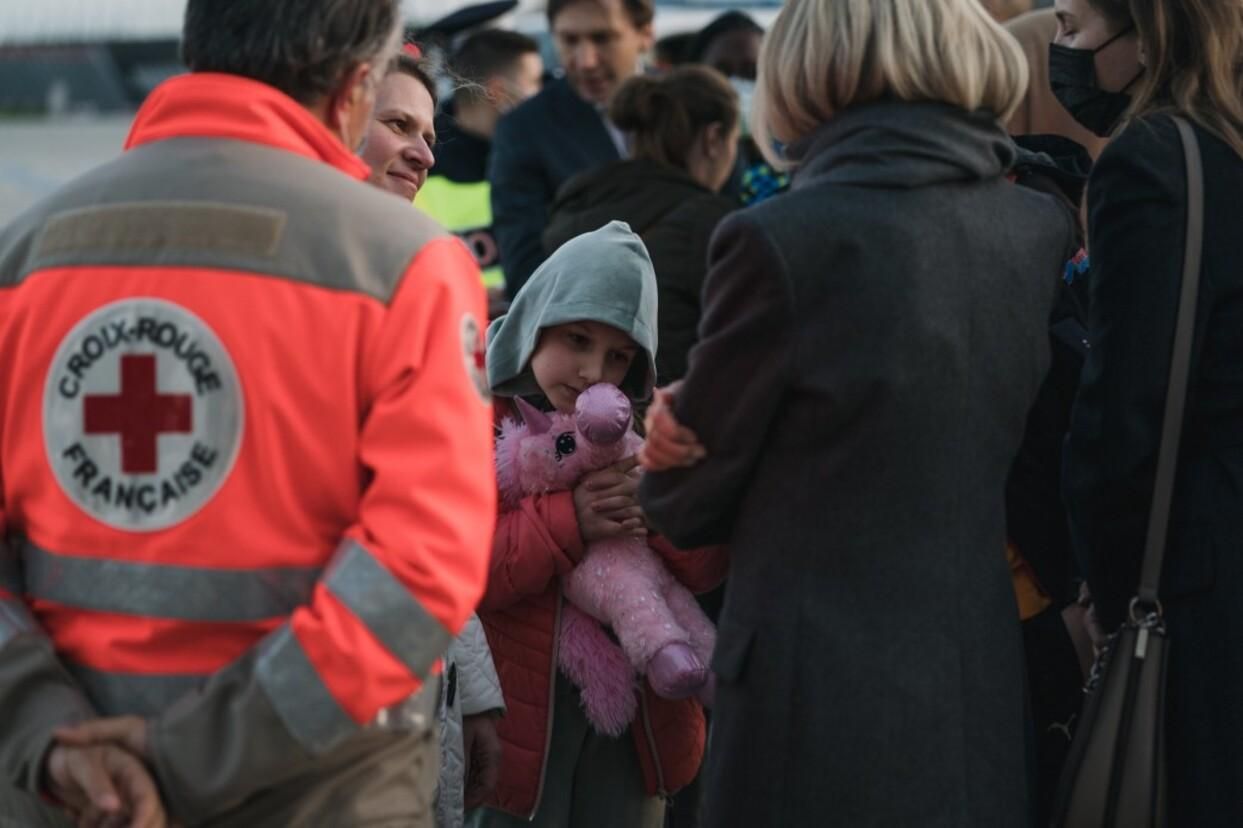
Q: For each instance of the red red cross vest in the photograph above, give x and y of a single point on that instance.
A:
(245, 446)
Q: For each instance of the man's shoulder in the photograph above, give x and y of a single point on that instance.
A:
(15, 244)
(321, 226)
(18, 238)
(552, 96)
(364, 237)
(556, 107)
(1149, 140)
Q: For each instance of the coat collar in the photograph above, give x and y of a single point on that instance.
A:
(904, 145)
(211, 105)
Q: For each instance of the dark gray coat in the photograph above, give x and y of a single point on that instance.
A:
(870, 346)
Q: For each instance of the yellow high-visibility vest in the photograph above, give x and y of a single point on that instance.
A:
(465, 209)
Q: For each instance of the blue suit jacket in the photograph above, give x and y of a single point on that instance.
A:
(538, 147)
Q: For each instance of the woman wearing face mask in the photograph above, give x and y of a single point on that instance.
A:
(1094, 61)
(1124, 67)
(1041, 113)
(684, 136)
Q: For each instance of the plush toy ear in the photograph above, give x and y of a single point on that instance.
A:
(537, 421)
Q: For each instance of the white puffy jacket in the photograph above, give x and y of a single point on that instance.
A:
(471, 687)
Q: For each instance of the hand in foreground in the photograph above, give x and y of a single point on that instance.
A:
(103, 786)
(669, 445)
(127, 732)
(607, 505)
(482, 748)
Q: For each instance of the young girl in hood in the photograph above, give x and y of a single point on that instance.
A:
(588, 315)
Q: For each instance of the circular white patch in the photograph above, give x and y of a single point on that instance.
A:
(142, 414)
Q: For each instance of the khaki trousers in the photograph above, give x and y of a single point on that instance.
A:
(378, 780)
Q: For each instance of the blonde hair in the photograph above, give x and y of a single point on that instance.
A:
(824, 56)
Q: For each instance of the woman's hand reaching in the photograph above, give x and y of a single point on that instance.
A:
(669, 445)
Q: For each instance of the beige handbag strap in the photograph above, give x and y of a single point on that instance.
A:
(1180, 369)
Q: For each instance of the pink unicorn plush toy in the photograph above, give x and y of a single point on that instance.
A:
(620, 582)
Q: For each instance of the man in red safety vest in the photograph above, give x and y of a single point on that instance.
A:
(246, 486)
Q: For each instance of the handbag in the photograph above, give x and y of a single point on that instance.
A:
(1115, 773)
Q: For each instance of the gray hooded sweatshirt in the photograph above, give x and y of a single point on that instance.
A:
(604, 276)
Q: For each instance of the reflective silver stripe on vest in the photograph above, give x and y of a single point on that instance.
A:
(313, 717)
(15, 619)
(222, 204)
(153, 227)
(387, 608)
(184, 593)
(416, 713)
(136, 694)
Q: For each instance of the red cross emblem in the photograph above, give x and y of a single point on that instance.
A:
(475, 356)
(139, 414)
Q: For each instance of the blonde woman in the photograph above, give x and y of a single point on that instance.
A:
(870, 345)
(1124, 68)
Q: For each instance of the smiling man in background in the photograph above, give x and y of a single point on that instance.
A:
(563, 130)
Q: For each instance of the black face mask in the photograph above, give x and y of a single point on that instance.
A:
(1072, 77)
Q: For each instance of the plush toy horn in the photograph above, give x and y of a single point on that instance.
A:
(537, 421)
(602, 414)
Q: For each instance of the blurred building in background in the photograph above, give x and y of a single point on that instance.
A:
(72, 72)
(64, 57)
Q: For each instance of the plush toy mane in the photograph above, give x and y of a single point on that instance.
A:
(508, 471)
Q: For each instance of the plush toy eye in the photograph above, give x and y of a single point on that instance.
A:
(565, 445)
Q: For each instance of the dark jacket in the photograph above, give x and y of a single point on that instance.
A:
(675, 217)
(461, 156)
(1035, 511)
(1137, 218)
(870, 346)
(537, 148)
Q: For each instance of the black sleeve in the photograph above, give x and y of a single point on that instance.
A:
(679, 247)
(520, 194)
(1137, 225)
(745, 332)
